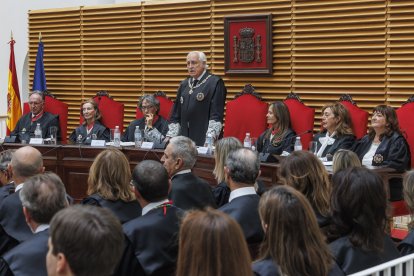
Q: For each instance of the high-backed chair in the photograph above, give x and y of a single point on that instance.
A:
(165, 106)
(111, 110)
(246, 113)
(302, 118)
(54, 106)
(359, 117)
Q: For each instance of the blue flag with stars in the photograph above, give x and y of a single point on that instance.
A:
(39, 78)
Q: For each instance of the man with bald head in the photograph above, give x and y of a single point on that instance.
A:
(26, 162)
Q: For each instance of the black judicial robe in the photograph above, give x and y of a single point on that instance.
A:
(161, 125)
(25, 127)
(221, 194)
(244, 210)
(13, 223)
(124, 211)
(151, 243)
(267, 267)
(5, 191)
(193, 111)
(406, 246)
(351, 259)
(101, 131)
(287, 143)
(28, 258)
(344, 142)
(190, 192)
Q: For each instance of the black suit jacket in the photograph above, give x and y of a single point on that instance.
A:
(406, 246)
(191, 192)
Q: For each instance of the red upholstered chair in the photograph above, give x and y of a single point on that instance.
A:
(246, 113)
(165, 106)
(302, 118)
(405, 116)
(359, 117)
(111, 110)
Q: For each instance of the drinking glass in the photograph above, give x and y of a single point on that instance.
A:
(313, 147)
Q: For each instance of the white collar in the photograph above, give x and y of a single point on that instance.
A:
(152, 205)
(19, 187)
(182, 172)
(41, 227)
(201, 76)
(242, 192)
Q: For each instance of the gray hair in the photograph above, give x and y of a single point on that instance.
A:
(43, 195)
(152, 100)
(201, 56)
(184, 148)
(5, 158)
(243, 165)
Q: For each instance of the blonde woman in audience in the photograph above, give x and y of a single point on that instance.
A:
(343, 159)
(109, 185)
(406, 246)
(305, 172)
(287, 250)
(211, 243)
(223, 147)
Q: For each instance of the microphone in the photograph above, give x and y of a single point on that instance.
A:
(52, 149)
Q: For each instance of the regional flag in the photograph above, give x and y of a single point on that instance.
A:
(14, 109)
(39, 78)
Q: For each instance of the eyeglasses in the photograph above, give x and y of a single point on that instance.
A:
(147, 107)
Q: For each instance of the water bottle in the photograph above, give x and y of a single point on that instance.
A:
(38, 131)
(137, 137)
(117, 137)
(209, 143)
(247, 141)
(298, 144)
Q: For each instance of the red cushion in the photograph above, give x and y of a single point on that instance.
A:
(405, 118)
(359, 119)
(245, 114)
(26, 108)
(301, 119)
(399, 234)
(399, 208)
(112, 112)
(165, 108)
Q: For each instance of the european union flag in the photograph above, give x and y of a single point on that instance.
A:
(39, 78)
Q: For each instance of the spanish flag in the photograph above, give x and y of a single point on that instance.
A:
(14, 109)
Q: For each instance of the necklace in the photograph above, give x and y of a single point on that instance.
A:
(198, 84)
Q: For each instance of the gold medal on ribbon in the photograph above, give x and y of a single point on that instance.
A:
(200, 96)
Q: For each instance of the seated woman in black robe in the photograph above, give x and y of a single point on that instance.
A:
(337, 131)
(152, 125)
(91, 127)
(406, 246)
(305, 172)
(385, 146)
(109, 185)
(279, 137)
(293, 244)
(359, 219)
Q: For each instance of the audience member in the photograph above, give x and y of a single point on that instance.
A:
(305, 172)
(344, 159)
(242, 169)
(188, 191)
(42, 197)
(109, 185)
(91, 127)
(6, 183)
(153, 125)
(151, 239)
(385, 146)
(293, 244)
(212, 244)
(84, 240)
(406, 246)
(337, 130)
(27, 124)
(26, 162)
(223, 147)
(199, 106)
(279, 137)
(359, 219)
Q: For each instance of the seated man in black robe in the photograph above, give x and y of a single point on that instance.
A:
(26, 125)
(42, 197)
(151, 244)
(188, 191)
(242, 169)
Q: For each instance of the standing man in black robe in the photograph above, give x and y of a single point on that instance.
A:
(199, 105)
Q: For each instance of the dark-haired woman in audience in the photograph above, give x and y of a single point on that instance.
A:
(359, 219)
(91, 127)
(337, 131)
(344, 159)
(211, 243)
(287, 249)
(385, 146)
(222, 148)
(6, 183)
(152, 125)
(279, 137)
(305, 172)
(406, 246)
(109, 185)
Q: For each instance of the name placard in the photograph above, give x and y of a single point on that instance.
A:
(36, 141)
(98, 143)
(147, 145)
(202, 150)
